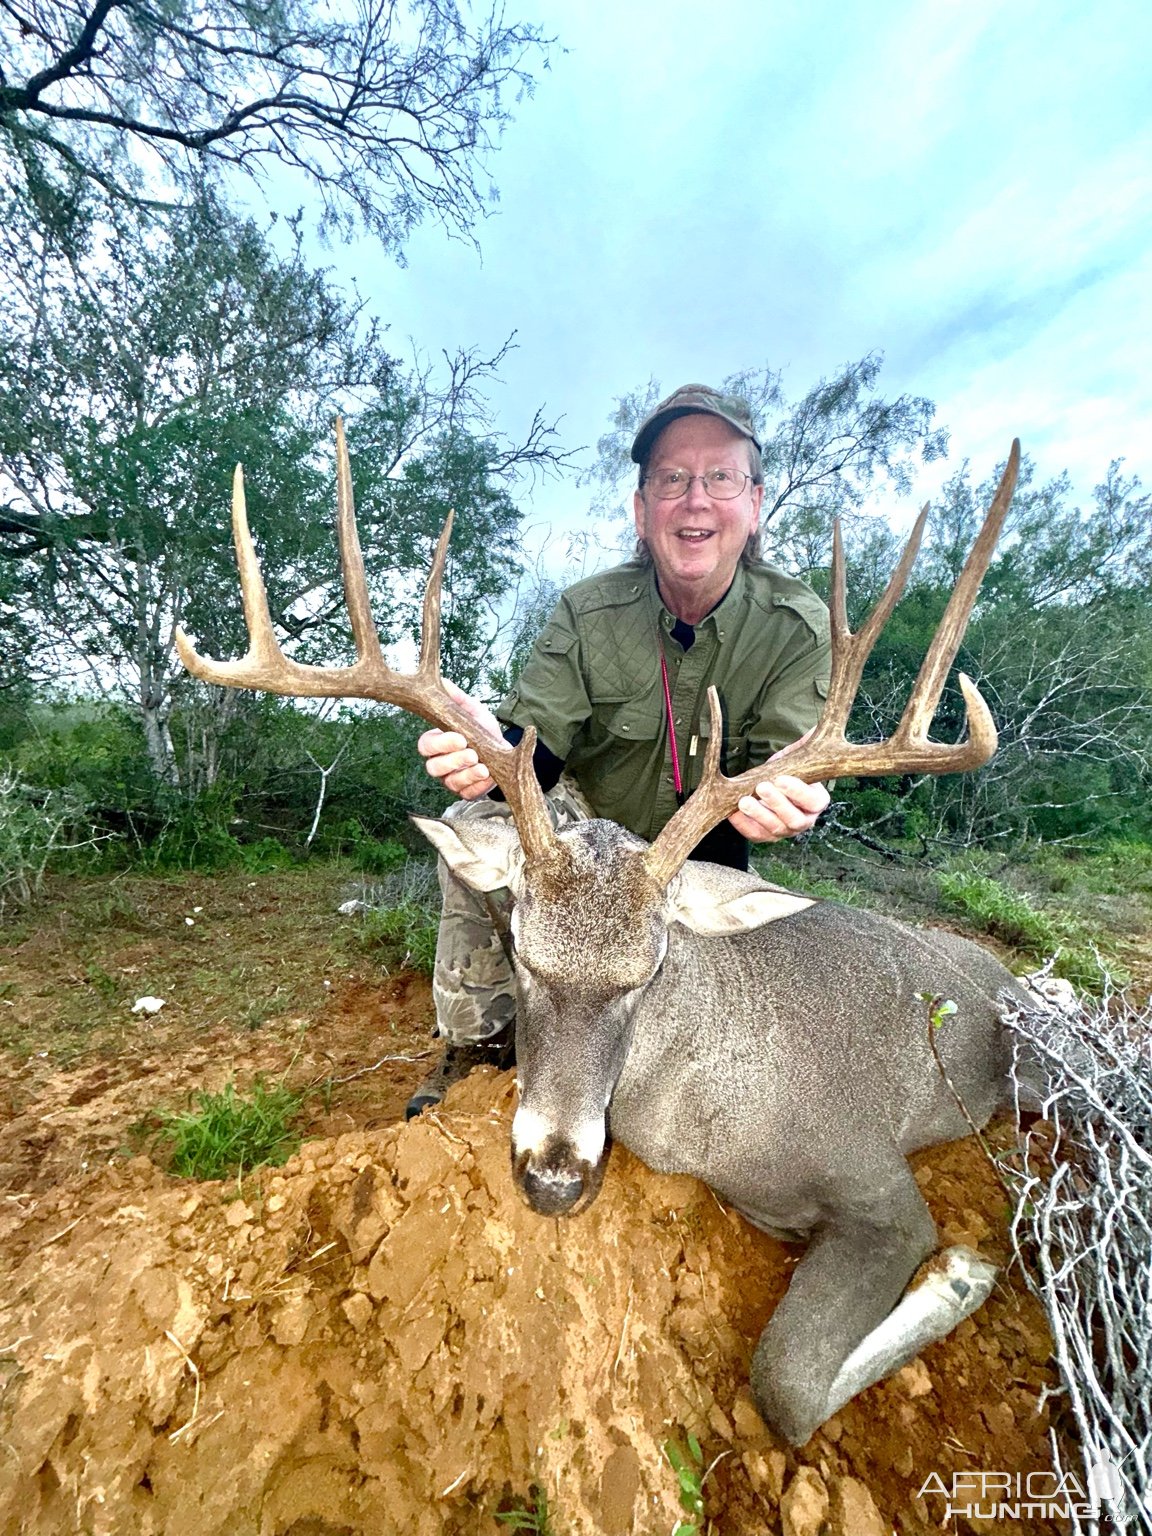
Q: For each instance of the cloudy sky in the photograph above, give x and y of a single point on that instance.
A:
(963, 185)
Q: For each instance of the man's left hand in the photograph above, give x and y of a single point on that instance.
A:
(782, 807)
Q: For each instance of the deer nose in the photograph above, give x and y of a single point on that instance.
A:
(551, 1190)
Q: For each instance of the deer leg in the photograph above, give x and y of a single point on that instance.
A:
(842, 1325)
(957, 1283)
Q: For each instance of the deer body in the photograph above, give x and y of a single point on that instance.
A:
(786, 1063)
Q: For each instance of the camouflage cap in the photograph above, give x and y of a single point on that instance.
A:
(693, 400)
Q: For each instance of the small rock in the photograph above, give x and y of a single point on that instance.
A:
(854, 1511)
(905, 1462)
(290, 1323)
(358, 1310)
(238, 1213)
(804, 1507)
(750, 1427)
(914, 1380)
(777, 1467)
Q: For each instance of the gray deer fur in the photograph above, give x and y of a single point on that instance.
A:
(773, 1046)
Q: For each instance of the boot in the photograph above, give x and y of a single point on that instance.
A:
(455, 1065)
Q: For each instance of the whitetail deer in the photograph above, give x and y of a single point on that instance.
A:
(774, 1046)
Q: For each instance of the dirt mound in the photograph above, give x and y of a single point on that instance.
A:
(382, 1338)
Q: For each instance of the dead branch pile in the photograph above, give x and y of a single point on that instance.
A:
(1083, 1231)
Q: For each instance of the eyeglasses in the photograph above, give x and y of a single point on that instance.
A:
(722, 484)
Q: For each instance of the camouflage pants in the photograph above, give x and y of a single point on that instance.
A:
(472, 986)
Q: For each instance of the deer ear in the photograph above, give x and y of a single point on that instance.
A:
(484, 854)
(711, 901)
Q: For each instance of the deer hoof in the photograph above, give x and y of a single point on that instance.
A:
(958, 1278)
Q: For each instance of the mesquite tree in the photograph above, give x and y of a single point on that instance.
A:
(380, 112)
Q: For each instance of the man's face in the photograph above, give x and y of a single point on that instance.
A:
(696, 540)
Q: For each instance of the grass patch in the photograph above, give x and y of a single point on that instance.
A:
(401, 936)
(228, 1133)
(782, 872)
(1010, 916)
(401, 928)
(1113, 867)
(531, 1514)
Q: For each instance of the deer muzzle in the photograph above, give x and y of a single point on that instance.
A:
(558, 1173)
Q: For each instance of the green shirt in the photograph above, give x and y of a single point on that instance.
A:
(593, 690)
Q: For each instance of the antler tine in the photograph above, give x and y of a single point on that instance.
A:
(929, 685)
(850, 652)
(826, 753)
(263, 664)
(356, 597)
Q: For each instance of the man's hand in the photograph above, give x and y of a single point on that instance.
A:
(781, 807)
(449, 758)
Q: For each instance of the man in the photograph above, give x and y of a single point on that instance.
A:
(616, 687)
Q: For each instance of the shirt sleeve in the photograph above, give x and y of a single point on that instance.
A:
(550, 692)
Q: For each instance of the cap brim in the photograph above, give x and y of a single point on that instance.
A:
(653, 427)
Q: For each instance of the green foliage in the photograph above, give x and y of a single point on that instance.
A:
(1011, 917)
(381, 115)
(780, 870)
(228, 1132)
(229, 351)
(403, 935)
(370, 855)
(93, 749)
(688, 1466)
(532, 1514)
(1114, 866)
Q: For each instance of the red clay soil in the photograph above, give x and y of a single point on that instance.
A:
(380, 1337)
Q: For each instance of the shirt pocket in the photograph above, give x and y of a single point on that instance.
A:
(632, 719)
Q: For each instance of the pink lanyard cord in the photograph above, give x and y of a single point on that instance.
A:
(676, 779)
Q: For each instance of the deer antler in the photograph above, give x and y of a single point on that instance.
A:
(369, 677)
(827, 753)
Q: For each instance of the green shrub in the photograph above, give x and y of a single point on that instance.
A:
(229, 1133)
(35, 826)
(266, 856)
(370, 855)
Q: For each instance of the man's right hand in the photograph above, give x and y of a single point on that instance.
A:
(448, 757)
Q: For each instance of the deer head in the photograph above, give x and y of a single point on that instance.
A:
(596, 907)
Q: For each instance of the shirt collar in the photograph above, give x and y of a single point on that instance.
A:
(720, 616)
